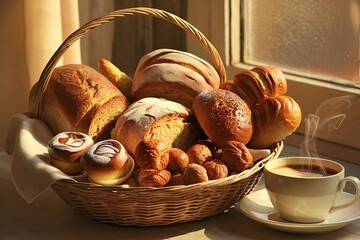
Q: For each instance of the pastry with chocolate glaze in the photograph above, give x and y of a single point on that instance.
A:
(65, 150)
(107, 163)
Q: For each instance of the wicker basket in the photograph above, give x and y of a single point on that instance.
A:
(145, 206)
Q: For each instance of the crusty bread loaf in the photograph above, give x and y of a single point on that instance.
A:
(275, 116)
(156, 118)
(78, 98)
(175, 75)
(223, 116)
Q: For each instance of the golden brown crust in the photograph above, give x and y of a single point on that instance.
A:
(105, 160)
(195, 173)
(275, 116)
(156, 118)
(152, 153)
(199, 154)
(176, 179)
(275, 119)
(260, 83)
(175, 75)
(78, 98)
(216, 169)
(153, 177)
(223, 116)
(237, 156)
(178, 159)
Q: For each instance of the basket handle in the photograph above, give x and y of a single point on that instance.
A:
(36, 102)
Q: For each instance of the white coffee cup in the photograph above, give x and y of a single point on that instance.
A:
(303, 196)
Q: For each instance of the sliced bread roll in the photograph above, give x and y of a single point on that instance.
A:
(78, 98)
(156, 118)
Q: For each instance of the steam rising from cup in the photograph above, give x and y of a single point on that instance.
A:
(328, 117)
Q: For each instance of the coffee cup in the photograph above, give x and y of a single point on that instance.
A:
(305, 189)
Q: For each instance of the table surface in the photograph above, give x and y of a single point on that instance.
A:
(48, 217)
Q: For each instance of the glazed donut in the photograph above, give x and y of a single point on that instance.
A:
(107, 163)
(65, 150)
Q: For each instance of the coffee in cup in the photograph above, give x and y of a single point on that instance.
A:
(304, 189)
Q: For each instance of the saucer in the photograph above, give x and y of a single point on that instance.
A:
(258, 207)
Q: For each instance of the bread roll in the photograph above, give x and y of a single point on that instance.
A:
(195, 173)
(199, 154)
(155, 118)
(176, 179)
(65, 150)
(152, 153)
(153, 178)
(216, 169)
(175, 75)
(178, 159)
(107, 163)
(276, 116)
(78, 98)
(223, 116)
(237, 157)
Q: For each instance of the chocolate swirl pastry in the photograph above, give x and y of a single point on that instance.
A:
(65, 150)
(107, 163)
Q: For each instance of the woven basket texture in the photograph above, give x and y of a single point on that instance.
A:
(145, 206)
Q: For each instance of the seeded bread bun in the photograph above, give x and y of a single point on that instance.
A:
(223, 116)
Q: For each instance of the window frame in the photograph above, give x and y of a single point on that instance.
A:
(216, 21)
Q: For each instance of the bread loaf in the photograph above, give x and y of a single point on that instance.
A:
(78, 98)
(156, 118)
(276, 116)
(223, 116)
(175, 75)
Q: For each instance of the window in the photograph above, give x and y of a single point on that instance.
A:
(316, 39)
(320, 60)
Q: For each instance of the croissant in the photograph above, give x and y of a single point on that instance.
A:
(276, 115)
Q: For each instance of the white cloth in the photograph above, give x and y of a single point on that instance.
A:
(31, 173)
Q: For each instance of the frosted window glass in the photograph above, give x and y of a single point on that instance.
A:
(318, 38)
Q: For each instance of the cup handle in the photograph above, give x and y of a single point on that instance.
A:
(356, 182)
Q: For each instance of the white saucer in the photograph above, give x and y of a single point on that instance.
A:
(258, 207)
